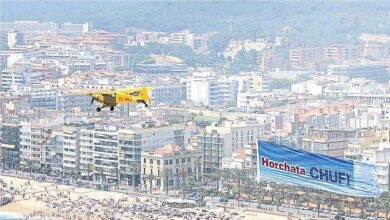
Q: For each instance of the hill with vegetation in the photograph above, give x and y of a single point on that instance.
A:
(312, 22)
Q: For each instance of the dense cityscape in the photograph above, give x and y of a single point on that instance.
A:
(192, 153)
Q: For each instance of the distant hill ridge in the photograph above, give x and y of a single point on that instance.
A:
(314, 22)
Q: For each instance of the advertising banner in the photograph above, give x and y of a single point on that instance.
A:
(281, 164)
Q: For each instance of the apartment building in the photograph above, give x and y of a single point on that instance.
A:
(10, 145)
(169, 167)
(331, 142)
(39, 145)
(372, 71)
(71, 146)
(214, 145)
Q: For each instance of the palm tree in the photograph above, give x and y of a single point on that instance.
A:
(198, 165)
(3, 159)
(165, 174)
(350, 201)
(308, 195)
(132, 168)
(102, 177)
(182, 176)
(226, 175)
(318, 197)
(260, 198)
(214, 178)
(30, 165)
(300, 199)
(45, 170)
(189, 185)
(217, 176)
(116, 170)
(384, 202)
(340, 207)
(278, 200)
(73, 175)
(239, 174)
(89, 168)
(150, 179)
(250, 189)
(328, 197)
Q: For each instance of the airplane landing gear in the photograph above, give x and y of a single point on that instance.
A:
(98, 109)
(143, 102)
(112, 108)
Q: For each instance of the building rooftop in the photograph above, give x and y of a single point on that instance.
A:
(168, 149)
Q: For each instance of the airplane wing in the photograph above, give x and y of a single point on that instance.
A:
(90, 92)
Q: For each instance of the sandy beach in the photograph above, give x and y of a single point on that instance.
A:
(33, 198)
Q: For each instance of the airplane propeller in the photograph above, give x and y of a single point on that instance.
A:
(93, 98)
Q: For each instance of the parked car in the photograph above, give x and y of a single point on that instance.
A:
(224, 199)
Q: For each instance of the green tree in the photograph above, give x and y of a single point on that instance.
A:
(89, 167)
(250, 188)
(318, 198)
(240, 176)
(278, 199)
(150, 179)
(218, 42)
(132, 169)
(340, 206)
(384, 202)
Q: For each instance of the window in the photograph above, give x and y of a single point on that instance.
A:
(189, 159)
(165, 162)
(144, 160)
(158, 162)
(151, 171)
(171, 161)
(151, 161)
(177, 161)
(183, 160)
(136, 93)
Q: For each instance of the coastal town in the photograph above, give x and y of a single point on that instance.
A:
(192, 153)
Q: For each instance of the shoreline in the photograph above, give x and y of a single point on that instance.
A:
(43, 199)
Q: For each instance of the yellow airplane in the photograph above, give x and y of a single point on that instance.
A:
(120, 96)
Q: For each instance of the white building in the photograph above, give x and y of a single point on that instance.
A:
(169, 167)
(380, 155)
(210, 89)
(29, 26)
(373, 71)
(236, 161)
(10, 79)
(37, 145)
(169, 93)
(71, 146)
(74, 29)
(203, 88)
(308, 87)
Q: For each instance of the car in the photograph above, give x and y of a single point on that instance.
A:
(224, 199)
(230, 196)
(339, 217)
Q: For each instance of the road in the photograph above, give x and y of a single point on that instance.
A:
(211, 202)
